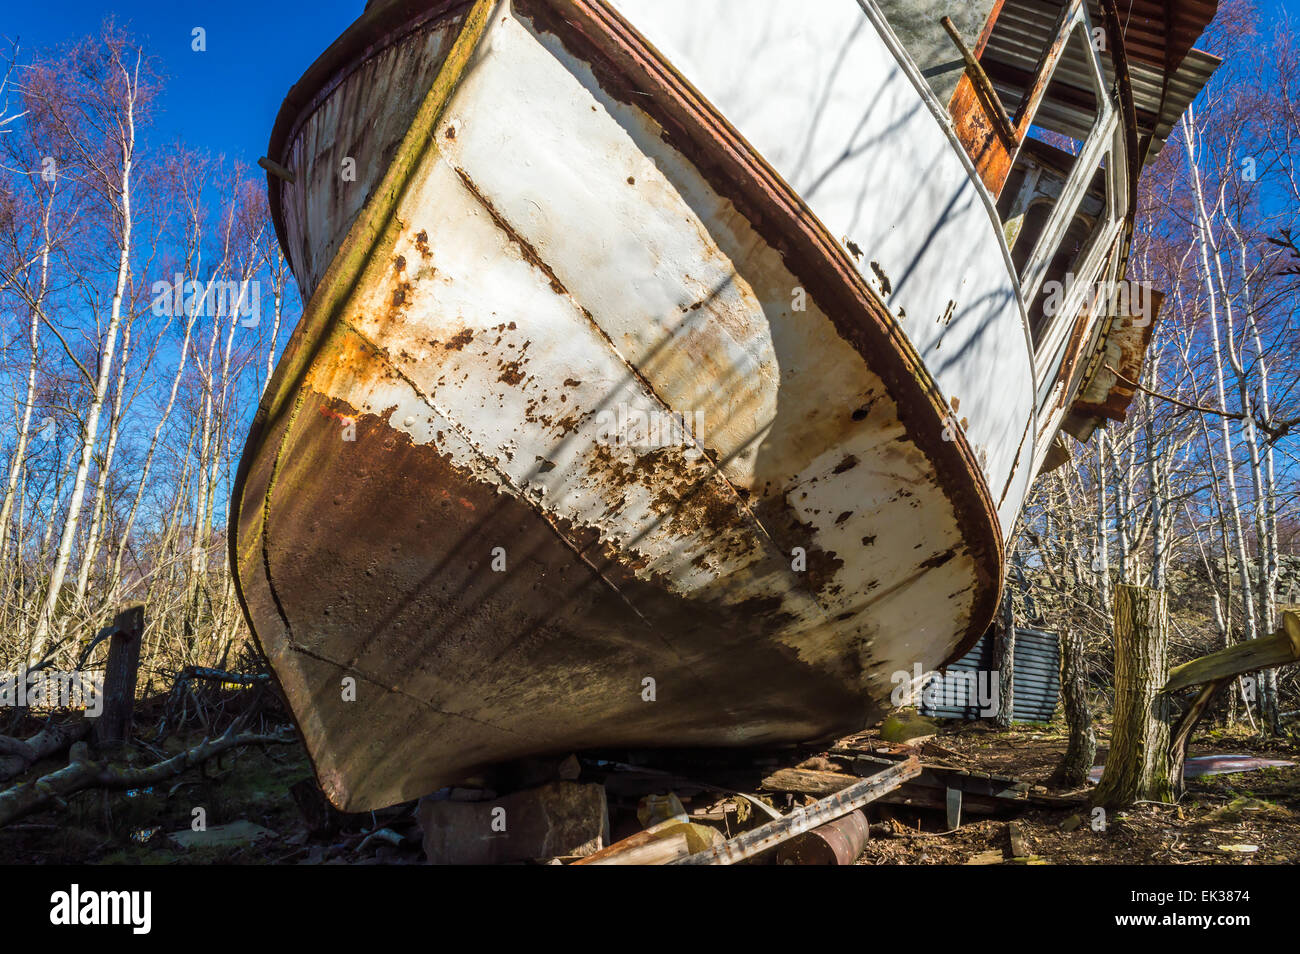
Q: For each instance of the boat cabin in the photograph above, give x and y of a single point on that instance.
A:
(1059, 104)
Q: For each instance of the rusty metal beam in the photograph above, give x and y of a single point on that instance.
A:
(980, 79)
(802, 820)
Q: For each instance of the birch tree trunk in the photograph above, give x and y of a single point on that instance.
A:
(90, 431)
(100, 502)
(1205, 242)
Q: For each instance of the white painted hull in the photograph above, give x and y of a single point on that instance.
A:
(450, 497)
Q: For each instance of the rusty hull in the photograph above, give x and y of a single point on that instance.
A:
(440, 408)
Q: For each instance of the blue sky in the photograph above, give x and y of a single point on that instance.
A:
(225, 99)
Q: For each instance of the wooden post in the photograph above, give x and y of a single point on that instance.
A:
(1137, 766)
(114, 724)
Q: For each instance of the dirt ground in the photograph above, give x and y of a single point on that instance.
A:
(1260, 809)
(1211, 824)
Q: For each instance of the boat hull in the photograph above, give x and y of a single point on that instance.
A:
(591, 435)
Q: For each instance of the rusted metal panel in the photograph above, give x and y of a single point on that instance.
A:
(581, 322)
(978, 133)
(444, 395)
(1122, 349)
(345, 137)
(568, 312)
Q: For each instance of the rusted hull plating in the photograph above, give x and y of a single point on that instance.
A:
(590, 435)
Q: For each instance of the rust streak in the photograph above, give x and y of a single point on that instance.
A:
(531, 256)
(500, 474)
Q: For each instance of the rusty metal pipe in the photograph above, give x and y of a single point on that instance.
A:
(984, 86)
(837, 843)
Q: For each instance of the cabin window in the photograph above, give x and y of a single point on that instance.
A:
(1053, 167)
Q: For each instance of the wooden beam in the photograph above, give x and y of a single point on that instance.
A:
(808, 782)
(643, 848)
(1279, 649)
(800, 820)
(1182, 732)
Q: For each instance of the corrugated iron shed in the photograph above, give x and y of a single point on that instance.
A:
(1036, 681)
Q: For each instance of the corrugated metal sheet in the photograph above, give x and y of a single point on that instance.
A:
(1036, 681)
(1024, 28)
(1036, 675)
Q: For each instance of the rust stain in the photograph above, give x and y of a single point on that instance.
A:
(1105, 394)
(975, 130)
(886, 287)
(511, 372)
(346, 419)
(459, 340)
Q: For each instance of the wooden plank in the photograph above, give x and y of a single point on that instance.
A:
(800, 820)
(1264, 653)
(808, 782)
(982, 793)
(647, 851)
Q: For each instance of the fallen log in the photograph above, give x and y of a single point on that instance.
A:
(801, 820)
(1266, 652)
(82, 773)
(18, 755)
(1214, 672)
